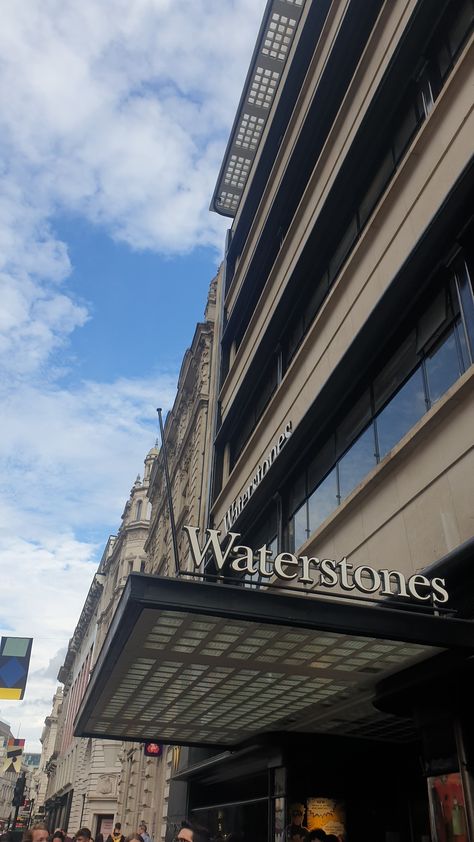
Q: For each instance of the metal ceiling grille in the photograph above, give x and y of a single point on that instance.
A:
(273, 46)
(200, 664)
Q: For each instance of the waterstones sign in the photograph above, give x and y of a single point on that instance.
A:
(261, 470)
(324, 573)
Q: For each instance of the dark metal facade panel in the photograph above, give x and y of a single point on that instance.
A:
(276, 36)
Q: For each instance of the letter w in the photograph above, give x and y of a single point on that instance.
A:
(199, 554)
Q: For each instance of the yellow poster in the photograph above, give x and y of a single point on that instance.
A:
(328, 814)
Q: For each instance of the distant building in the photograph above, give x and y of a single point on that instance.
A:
(48, 756)
(83, 775)
(7, 778)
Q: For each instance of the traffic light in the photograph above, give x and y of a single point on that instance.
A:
(152, 749)
(19, 792)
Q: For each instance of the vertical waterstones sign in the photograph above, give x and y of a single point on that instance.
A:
(15, 653)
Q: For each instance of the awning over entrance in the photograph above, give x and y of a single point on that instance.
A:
(193, 663)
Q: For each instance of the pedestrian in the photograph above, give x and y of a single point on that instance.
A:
(83, 835)
(116, 835)
(192, 832)
(36, 833)
(142, 831)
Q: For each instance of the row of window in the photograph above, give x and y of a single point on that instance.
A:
(428, 357)
(441, 56)
(439, 367)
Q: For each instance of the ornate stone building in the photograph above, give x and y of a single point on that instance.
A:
(7, 779)
(48, 758)
(144, 787)
(95, 782)
(84, 775)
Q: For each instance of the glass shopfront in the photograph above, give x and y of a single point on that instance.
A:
(341, 790)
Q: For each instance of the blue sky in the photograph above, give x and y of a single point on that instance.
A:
(130, 296)
(113, 125)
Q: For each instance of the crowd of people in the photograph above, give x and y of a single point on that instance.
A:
(40, 833)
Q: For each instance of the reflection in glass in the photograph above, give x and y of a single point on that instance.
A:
(300, 526)
(442, 367)
(357, 462)
(323, 501)
(403, 411)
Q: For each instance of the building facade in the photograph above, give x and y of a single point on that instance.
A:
(7, 778)
(86, 777)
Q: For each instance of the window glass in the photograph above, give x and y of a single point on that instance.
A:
(355, 421)
(266, 387)
(299, 524)
(467, 301)
(315, 299)
(395, 371)
(463, 346)
(295, 334)
(425, 99)
(357, 462)
(432, 320)
(323, 501)
(342, 248)
(460, 26)
(444, 60)
(376, 188)
(403, 411)
(322, 463)
(442, 367)
(405, 130)
(297, 491)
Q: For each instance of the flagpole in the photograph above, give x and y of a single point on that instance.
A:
(169, 495)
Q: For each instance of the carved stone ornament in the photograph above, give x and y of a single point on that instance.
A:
(105, 785)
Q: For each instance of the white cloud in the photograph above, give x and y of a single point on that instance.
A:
(117, 112)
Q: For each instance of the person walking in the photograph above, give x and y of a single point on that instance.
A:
(116, 835)
(142, 831)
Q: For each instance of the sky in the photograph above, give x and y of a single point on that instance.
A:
(113, 125)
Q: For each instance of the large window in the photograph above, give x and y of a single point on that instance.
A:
(425, 362)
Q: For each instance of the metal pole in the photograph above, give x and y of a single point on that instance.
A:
(169, 494)
(82, 811)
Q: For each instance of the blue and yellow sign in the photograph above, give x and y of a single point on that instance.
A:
(15, 655)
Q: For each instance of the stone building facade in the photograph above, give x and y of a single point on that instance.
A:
(144, 788)
(84, 776)
(96, 782)
(7, 778)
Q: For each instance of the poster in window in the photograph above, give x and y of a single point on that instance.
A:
(328, 814)
(447, 812)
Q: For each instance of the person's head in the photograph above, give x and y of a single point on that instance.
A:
(83, 835)
(192, 832)
(37, 833)
(59, 835)
(297, 813)
(317, 834)
(142, 827)
(134, 837)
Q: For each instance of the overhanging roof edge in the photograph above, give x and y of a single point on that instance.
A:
(232, 602)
